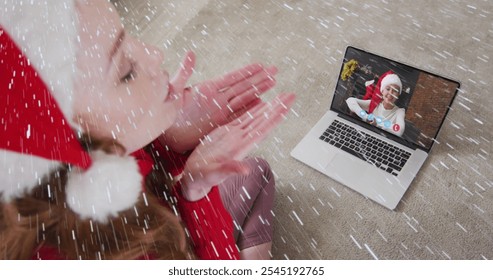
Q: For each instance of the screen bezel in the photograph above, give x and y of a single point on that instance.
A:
(380, 131)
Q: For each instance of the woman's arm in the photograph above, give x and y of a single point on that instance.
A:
(359, 107)
(209, 224)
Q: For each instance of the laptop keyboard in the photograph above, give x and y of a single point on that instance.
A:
(366, 147)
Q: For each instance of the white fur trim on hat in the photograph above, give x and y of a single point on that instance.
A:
(367, 83)
(46, 32)
(21, 173)
(391, 79)
(112, 184)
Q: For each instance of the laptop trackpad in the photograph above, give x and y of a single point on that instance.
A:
(347, 168)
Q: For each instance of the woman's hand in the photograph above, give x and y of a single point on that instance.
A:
(215, 102)
(220, 154)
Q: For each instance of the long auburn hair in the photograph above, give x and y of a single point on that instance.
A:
(42, 218)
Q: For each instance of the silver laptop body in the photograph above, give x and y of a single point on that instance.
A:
(375, 160)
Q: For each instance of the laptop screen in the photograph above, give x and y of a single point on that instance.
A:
(401, 102)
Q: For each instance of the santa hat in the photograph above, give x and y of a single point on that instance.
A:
(391, 79)
(37, 66)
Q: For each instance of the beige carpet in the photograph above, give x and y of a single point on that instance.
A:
(447, 213)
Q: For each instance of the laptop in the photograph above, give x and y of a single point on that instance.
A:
(382, 123)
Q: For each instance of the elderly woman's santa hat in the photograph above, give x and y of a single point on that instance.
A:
(391, 79)
(38, 42)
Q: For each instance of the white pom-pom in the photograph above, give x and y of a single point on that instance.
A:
(367, 83)
(112, 184)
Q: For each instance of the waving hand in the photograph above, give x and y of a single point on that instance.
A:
(220, 153)
(215, 102)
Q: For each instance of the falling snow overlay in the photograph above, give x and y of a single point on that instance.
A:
(447, 213)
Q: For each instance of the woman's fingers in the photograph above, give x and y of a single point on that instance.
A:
(226, 81)
(233, 115)
(252, 82)
(234, 167)
(258, 123)
(237, 82)
(264, 127)
(233, 77)
(272, 117)
(179, 80)
(250, 94)
(282, 102)
(248, 116)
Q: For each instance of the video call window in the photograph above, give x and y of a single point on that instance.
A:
(395, 98)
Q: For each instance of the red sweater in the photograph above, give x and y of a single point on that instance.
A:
(207, 222)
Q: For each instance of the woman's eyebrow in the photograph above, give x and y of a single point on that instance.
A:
(117, 43)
